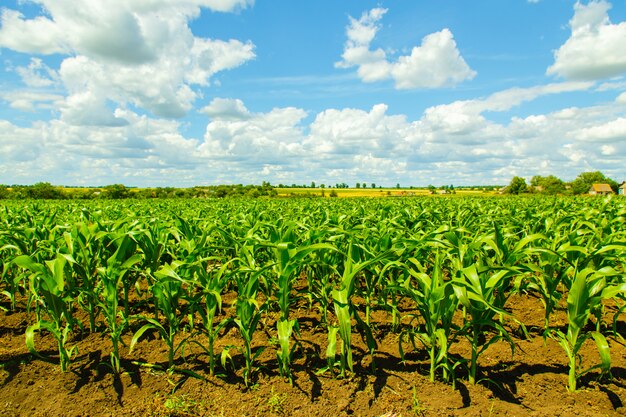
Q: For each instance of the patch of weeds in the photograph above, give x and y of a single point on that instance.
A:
(276, 402)
(181, 406)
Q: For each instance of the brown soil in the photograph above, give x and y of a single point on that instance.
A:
(532, 382)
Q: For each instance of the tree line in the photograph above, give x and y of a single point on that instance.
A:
(47, 191)
(552, 185)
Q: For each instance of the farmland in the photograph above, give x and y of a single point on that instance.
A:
(414, 306)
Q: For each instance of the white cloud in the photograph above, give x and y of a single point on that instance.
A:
(37, 74)
(31, 100)
(226, 109)
(141, 53)
(455, 143)
(596, 48)
(465, 116)
(39, 35)
(236, 134)
(613, 131)
(64, 153)
(436, 63)
(352, 131)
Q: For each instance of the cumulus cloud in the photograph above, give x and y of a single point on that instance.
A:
(141, 53)
(37, 74)
(351, 131)
(143, 148)
(32, 100)
(436, 63)
(613, 131)
(236, 134)
(465, 116)
(596, 48)
(457, 143)
(226, 109)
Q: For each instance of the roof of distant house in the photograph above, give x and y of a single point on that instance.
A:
(601, 188)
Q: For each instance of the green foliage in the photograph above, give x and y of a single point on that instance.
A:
(547, 185)
(589, 288)
(585, 180)
(115, 191)
(44, 191)
(166, 267)
(517, 186)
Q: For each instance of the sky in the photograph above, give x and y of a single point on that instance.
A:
(412, 92)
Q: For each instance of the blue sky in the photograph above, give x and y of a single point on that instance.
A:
(193, 92)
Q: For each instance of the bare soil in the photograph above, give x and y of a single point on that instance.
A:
(531, 382)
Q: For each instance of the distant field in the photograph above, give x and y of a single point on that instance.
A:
(370, 192)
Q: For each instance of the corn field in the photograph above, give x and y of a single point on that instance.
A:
(436, 272)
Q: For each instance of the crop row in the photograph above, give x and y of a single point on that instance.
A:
(455, 262)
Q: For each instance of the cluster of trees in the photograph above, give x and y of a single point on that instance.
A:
(552, 185)
(47, 191)
(446, 189)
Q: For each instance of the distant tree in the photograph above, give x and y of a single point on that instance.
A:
(312, 184)
(358, 185)
(116, 191)
(373, 185)
(547, 185)
(322, 186)
(517, 185)
(432, 189)
(585, 180)
(398, 185)
(364, 185)
(44, 190)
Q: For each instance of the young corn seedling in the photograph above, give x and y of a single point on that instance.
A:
(167, 291)
(437, 303)
(48, 283)
(211, 282)
(248, 310)
(483, 293)
(249, 313)
(589, 289)
(547, 273)
(344, 310)
(117, 268)
(289, 259)
(84, 247)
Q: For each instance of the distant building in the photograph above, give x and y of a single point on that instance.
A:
(600, 189)
(622, 189)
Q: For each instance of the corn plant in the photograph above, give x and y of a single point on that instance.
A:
(589, 289)
(210, 280)
(248, 309)
(249, 313)
(48, 282)
(85, 249)
(483, 293)
(548, 271)
(345, 311)
(437, 303)
(288, 259)
(168, 292)
(118, 266)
